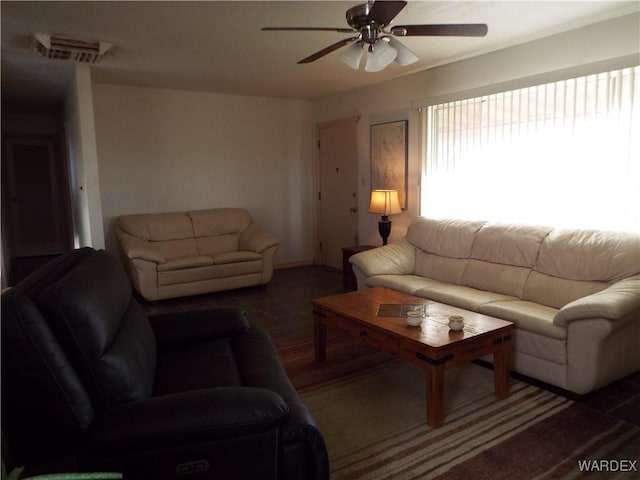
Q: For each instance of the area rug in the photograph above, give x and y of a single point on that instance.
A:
(371, 410)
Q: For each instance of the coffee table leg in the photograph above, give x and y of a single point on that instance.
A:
(319, 339)
(435, 393)
(502, 368)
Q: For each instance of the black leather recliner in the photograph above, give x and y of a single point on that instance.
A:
(88, 377)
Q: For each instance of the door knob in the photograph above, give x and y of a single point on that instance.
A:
(353, 209)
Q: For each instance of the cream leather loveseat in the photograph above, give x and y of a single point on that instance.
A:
(188, 253)
(574, 295)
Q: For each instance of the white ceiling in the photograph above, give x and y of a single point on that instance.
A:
(218, 45)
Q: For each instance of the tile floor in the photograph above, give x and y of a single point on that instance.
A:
(283, 307)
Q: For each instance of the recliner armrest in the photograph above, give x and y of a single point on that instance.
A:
(189, 325)
(175, 420)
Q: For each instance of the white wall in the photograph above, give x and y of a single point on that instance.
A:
(166, 150)
(86, 202)
(577, 52)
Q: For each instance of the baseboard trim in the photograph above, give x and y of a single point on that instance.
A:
(305, 263)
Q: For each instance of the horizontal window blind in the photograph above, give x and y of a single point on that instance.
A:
(561, 154)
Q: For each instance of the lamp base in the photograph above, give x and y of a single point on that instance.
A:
(384, 228)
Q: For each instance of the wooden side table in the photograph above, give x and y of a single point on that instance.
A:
(349, 281)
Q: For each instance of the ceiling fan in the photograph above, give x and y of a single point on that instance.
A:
(370, 26)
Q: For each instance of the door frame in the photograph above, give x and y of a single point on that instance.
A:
(317, 254)
(63, 190)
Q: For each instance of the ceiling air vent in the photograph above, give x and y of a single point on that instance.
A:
(64, 48)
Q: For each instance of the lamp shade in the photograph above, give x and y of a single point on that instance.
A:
(384, 202)
(404, 56)
(380, 56)
(352, 55)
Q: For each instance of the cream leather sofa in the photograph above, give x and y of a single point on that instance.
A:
(574, 295)
(188, 253)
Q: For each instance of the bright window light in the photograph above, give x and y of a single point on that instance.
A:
(564, 154)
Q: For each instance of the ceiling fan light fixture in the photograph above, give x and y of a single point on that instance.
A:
(405, 56)
(371, 23)
(352, 55)
(380, 56)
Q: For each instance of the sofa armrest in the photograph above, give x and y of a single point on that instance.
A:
(175, 420)
(256, 240)
(613, 303)
(188, 325)
(136, 248)
(394, 259)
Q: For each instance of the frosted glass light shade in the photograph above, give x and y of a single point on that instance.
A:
(381, 56)
(404, 56)
(384, 202)
(352, 55)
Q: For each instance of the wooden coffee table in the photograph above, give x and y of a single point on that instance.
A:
(432, 345)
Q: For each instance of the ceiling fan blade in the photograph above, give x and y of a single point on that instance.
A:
(383, 11)
(453, 29)
(306, 29)
(326, 50)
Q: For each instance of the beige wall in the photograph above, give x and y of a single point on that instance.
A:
(606, 44)
(167, 150)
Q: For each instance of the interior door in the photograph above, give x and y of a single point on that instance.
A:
(33, 197)
(338, 196)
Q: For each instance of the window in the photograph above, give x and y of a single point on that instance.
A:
(563, 154)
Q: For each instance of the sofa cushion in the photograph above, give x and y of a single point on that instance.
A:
(448, 238)
(460, 296)
(210, 272)
(443, 269)
(504, 244)
(169, 234)
(157, 227)
(237, 269)
(403, 283)
(236, 257)
(217, 244)
(126, 369)
(493, 277)
(588, 255)
(529, 316)
(174, 328)
(103, 330)
(185, 262)
(557, 292)
(219, 221)
(180, 369)
(502, 256)
(172, 249)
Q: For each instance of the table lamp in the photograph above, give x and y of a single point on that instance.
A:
(385, 203)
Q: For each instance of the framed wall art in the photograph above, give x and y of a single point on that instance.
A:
(389, 157)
